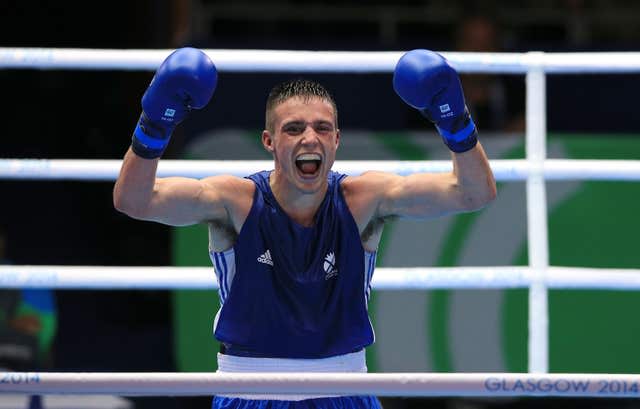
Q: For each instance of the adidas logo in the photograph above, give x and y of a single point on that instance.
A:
(266, 258)
(330, 269)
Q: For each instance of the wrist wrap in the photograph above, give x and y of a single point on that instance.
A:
(149, 141)
(461, 134)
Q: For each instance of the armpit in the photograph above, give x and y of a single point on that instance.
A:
(221, 235)
(371, 234)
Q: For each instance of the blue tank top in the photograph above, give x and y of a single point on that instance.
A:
(289, 291)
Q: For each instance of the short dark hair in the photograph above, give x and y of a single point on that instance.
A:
(302, 88)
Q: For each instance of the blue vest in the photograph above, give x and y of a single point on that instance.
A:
(289, 291)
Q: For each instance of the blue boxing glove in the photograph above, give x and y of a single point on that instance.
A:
(184, 81)
(426, 81)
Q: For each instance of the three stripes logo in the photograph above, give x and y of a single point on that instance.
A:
(265, 258)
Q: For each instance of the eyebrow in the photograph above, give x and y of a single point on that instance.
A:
(293, 122)
(313, 123)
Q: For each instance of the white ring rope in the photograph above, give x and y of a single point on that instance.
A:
(535, 170)
(317, 61)
(504, 170)
(379, 384)
(385, 278)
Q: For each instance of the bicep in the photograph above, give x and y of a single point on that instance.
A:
(420, 195)
(179, 201)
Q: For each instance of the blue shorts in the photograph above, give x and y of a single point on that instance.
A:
(341, 402)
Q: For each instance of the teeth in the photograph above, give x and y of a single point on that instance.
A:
(309, 156)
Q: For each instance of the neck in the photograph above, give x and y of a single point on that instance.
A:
(301, 206)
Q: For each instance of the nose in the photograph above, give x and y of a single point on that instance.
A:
(309, 136)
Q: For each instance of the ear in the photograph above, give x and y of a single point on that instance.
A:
(337, 138)
(267, 141)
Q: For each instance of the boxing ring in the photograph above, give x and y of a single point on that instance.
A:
(538, 276)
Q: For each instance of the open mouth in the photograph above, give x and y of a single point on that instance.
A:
(308, 163)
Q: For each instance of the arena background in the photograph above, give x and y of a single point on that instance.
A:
(90, 115)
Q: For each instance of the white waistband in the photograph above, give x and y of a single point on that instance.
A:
(354, 362)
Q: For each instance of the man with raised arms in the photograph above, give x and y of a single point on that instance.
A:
(294, 247)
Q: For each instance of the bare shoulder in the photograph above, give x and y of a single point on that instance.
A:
(228, 187)
(234, 193)
(364, 194)
(368, 188)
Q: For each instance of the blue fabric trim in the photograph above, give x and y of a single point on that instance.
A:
(369, 271)
(371, 266)
(221, 277)
(226, 274)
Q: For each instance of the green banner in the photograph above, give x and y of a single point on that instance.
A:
(591, 224)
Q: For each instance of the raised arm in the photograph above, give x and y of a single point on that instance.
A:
(426, 81)
(185, 80)
(176, 201)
